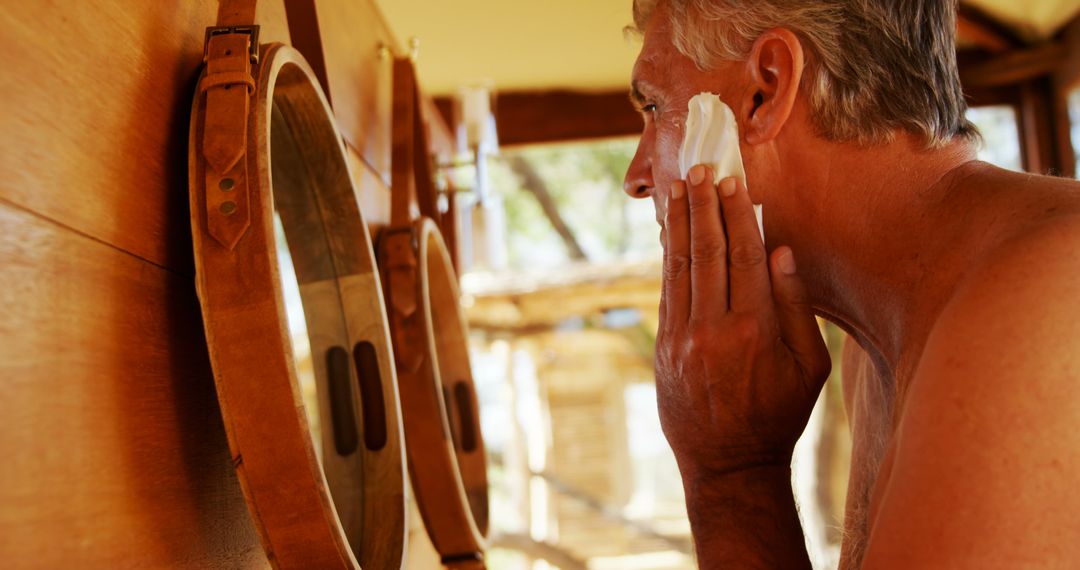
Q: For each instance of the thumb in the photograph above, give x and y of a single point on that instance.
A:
(798, 326)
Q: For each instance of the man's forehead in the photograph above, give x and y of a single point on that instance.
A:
(655, 55)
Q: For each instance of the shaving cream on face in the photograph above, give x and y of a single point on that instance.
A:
(712, 139)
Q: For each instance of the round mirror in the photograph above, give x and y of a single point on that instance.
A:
(441, 412)
(298, 332)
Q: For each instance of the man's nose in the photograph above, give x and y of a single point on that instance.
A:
(639, 180)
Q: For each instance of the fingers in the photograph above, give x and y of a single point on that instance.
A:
(708, 247)
(798, 327)
(676, 292)
(748, 276)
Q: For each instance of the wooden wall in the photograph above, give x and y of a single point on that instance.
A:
(113, 445)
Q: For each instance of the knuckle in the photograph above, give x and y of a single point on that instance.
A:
(699, 321)
(675, 266)
(708, 250)
(702, 340)
(707, 264)
(747, 255)
(746, 329)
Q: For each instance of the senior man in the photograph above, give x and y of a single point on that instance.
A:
(959, 283)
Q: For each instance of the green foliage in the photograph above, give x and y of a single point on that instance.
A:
(585, 182)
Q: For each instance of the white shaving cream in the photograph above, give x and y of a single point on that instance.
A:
(712, 139)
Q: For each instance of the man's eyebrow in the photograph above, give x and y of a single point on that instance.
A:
(635, 93)
(636, 88)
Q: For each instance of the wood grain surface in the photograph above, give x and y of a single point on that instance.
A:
(96, 102)
(117, 457)
(120, 457)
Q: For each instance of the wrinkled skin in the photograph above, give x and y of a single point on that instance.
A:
(739, 358)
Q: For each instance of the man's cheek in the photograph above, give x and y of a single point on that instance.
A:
(666, 162)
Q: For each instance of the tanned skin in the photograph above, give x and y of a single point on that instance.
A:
(959, 282)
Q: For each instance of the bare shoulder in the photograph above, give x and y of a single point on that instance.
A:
(986, 453)
(1026, 285)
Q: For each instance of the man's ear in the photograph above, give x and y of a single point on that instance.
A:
(776, 67)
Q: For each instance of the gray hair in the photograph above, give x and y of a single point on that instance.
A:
(873, 66)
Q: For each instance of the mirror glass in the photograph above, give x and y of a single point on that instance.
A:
(298, 334)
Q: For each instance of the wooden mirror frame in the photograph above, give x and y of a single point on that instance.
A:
(351, 510)
(447, 461)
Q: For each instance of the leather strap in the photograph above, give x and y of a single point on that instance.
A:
(400, 238)
(402, 174)
(236, 12)
(231, 49)
(411, 174)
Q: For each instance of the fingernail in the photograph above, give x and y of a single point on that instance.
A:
(697, 174)
(786, 261)
(677, 188)
(727, 187)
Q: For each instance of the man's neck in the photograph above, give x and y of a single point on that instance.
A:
(880, 248)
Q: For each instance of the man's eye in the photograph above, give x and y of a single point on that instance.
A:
(650, 108)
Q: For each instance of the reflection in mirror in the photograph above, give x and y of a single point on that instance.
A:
(298, 334)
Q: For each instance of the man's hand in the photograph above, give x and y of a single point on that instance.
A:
(739, 365)
(739, 357)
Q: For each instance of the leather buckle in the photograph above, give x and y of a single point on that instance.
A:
(414, 239)
(253, 44)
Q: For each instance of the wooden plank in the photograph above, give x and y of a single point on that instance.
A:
(1015, 66)
(355, 47)
(96, 101)
(974, 27)
(116, 453)
(1066, 81)
(528, 117)
(1039, 130)
(1068, 77)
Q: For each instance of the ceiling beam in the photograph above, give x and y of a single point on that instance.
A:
(530, 117)
(1015, 66)
(979, 29)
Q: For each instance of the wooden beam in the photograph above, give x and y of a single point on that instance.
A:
(1044, 130)
(1068, 77)
(1066, 81)
(528, 117)
(979, 29)
(1016, 66)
